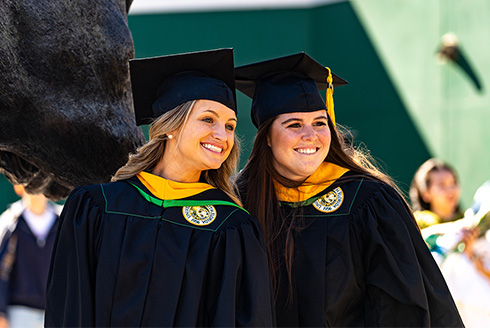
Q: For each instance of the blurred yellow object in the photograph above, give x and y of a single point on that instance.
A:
(426, 218)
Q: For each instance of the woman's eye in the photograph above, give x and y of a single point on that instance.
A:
(294, 125)
(320, 123)
(230, 127)
(208, 120)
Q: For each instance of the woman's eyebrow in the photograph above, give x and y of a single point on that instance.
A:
(217, 115)
(290, 120)
(210, 111)
(299, 119)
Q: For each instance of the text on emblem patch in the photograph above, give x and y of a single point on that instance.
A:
(199, 215)
(330, 201)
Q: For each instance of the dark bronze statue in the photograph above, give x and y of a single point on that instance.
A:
(65, 99)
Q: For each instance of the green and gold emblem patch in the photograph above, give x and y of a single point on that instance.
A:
(199, 215)
(330, 201)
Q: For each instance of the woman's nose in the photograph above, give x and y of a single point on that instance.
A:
(220, 132)
(309, 133)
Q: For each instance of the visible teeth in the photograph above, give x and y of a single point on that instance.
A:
(307, 150)
(213, 148)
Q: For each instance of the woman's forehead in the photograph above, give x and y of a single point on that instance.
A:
(302, 115)
(214, 107)
(442, 174)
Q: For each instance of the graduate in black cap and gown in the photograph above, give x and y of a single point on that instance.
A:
(344, 248)
(167, 243)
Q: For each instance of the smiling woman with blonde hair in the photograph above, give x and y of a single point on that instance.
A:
(166, 243)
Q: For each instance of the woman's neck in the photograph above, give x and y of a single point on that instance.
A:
(285, 181)
(176, 173)
(35, 203)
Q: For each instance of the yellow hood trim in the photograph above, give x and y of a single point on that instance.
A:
(324, 176)
(168, 189)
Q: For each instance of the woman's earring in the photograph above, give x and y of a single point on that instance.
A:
(169, 136)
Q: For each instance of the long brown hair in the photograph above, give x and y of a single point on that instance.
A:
(147, 156)
(255, 183)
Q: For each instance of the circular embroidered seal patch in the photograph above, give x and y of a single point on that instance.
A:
(330, 201)
(199, 215)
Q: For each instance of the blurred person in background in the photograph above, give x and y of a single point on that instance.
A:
(435, 193)
(459, 243)
(467, 274)
(467, 268)
(28, 231)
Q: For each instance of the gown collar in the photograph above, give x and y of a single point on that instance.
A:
(168, 189)
(326, 174)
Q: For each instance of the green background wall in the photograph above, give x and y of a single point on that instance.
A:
(332, 34)
(400, 102)
(450, 113)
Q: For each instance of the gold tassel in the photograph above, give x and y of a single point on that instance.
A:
(329, 98)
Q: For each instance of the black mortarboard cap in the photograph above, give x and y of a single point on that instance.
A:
(161, 83)
(284, 85)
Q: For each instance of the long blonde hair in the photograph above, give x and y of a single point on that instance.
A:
(147, 156)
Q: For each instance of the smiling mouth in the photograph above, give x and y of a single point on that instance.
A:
(307, 151)
(212, 148)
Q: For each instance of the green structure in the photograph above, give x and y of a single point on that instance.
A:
(448, 103)
(332, 34)
(401, 102)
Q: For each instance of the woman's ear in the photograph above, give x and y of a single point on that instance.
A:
(19, 190)
(172, 134)
(269, 141)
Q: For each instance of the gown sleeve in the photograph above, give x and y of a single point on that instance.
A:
(239, 271)
(70, 289)
(404, 285)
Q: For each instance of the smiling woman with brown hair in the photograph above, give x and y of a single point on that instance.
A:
(344, 249)
(167, 243)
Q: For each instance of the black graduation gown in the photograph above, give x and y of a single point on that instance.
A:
(360, 261)
(123, 259)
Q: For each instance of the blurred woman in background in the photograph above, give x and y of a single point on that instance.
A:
(435, 193)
